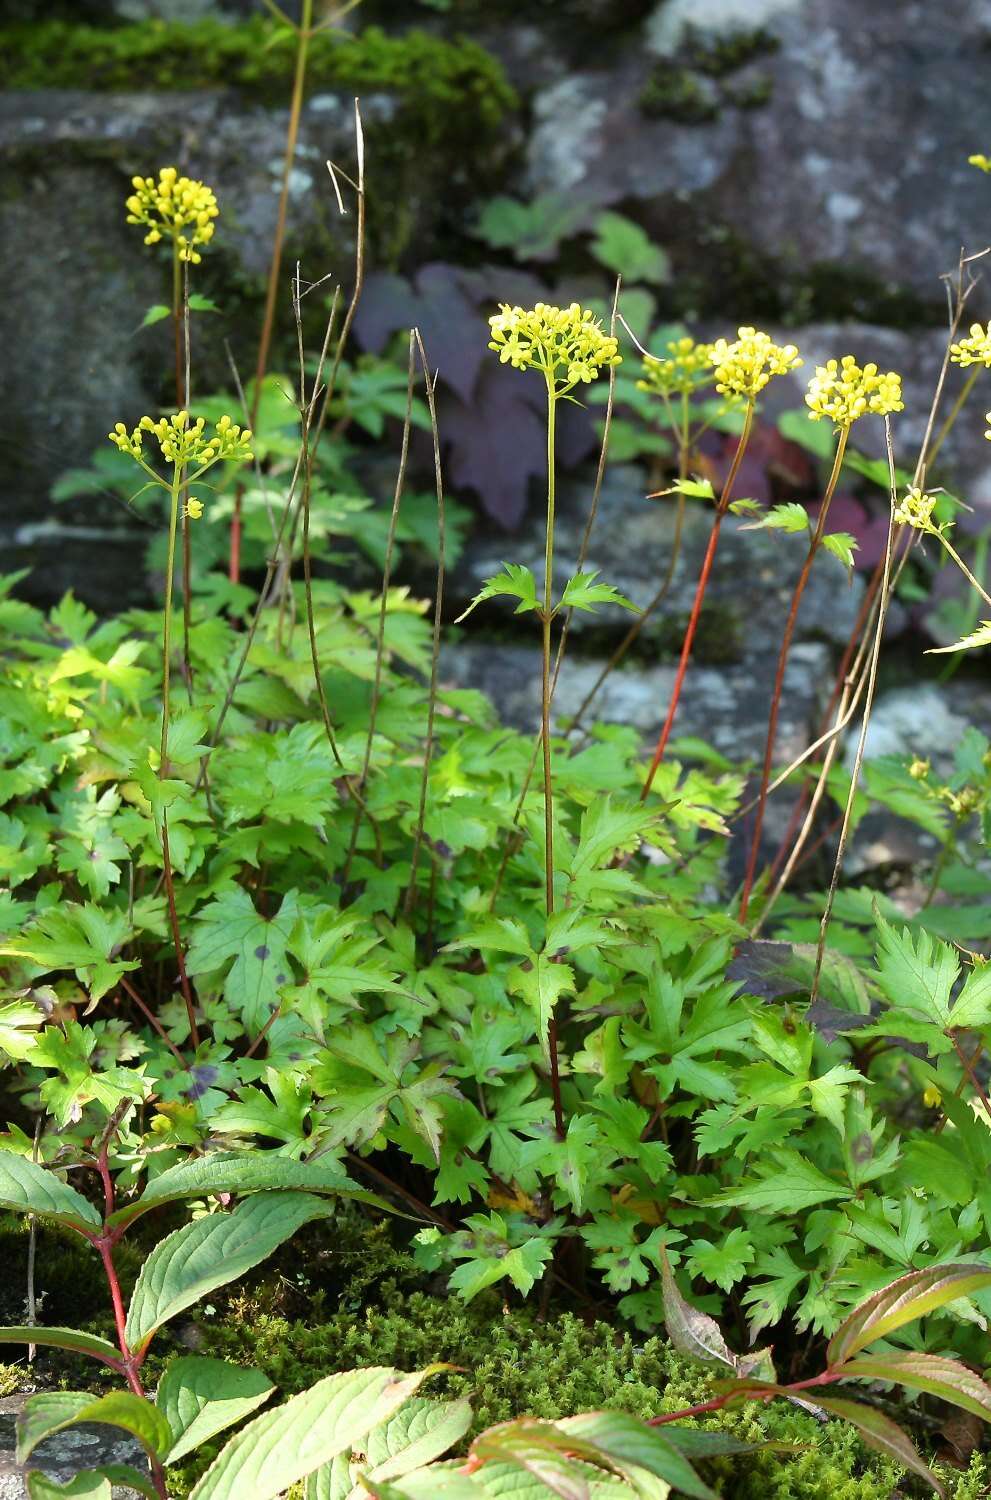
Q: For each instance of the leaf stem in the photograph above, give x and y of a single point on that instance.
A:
(707, 561)
(815, 542)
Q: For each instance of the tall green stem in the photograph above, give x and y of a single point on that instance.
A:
(952, 415)
(175, 491)
(304, 32)
(545, 731)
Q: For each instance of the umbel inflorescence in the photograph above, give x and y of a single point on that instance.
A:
(184, 444)
(842, 391)
(180, 209)
(744, 367)
(567, 343)
(975, 349)
(686, 368)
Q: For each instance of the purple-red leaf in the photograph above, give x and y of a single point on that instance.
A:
(906, 1299)
(932, 1373)
(881, 1434)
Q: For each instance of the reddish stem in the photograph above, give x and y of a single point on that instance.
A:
(779, 676)
(689, 641)
(828, 1377)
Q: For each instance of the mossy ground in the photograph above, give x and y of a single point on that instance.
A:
(346, 1294)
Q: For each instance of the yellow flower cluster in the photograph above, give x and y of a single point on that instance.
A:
(915, 509)
(176, 208)
(843, 391)
(744, 367)
(975, 350)
(981, 162)
(686, 367)
(567, 343)
(183, 444)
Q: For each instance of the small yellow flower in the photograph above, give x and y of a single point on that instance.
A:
(981, 162)
(186, 444)
(931, 1096)
(194, 509)
(744, 367)
(915, 509)
(919, 769)
(181, 209)
(567, 343)
(686, 368)
(975, 350)
(843, 391)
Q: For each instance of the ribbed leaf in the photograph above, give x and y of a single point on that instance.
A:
(906, 1299)
(932, 1373)
(622, 1442)
(48, 1413)
(28, 1188)
(91, 1485)
(240, 1173)
(331, 1481)
(881, 1434)
(420, 1431)
(199, 1397)
(61, 1338)
(281, 1447)
(210, 1252)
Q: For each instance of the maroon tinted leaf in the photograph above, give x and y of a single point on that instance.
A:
(881, 1434)
(906, 1299)
(933, 1373)
(454, 329)
(496, 443)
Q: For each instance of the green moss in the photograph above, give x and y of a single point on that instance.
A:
(675, 93)
(690, 88)
(442, 83)
(11, 1380)
(718, 56)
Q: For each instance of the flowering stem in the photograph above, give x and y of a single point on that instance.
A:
(304, 31)
(710, 553)
(952, 415)
(180, 304)
(779, 679)
(163, 771)
(545, 729)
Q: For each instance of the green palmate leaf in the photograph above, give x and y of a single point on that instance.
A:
(281, 1447)
(231, 928)
(916, 972)
(29, 1188)
(624, 247)
(791, 517)
(241, 1173)
(199, 303)
(156, 314)
(842, 545)
(786, 1182)
(881, 1434)
(82, 939)
(541, 986)
(979, 637)
(933, 1373)
(199, 1397)
(692, 489)
(48, 1413)
(516, 582)
(905, 1300)
(210, 1252)
(19, 1021)
(62, 1338)
(582, 592)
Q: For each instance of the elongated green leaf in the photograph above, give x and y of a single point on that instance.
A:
(241, 1173)
(199, 1397)
(420, 1431)
(210, 1252)
(282, 1446)
(690, 1330)
(906, 1299)
(48, 1413)
(933, 1373)
(28, 1188)
(626, 1444)
(93, 1484)
(881, 1434)
(61, 1338)
(332, 1481)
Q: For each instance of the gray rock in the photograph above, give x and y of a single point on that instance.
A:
(749, 590)
(61, 1457)
(727, 707)
(859, 158)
